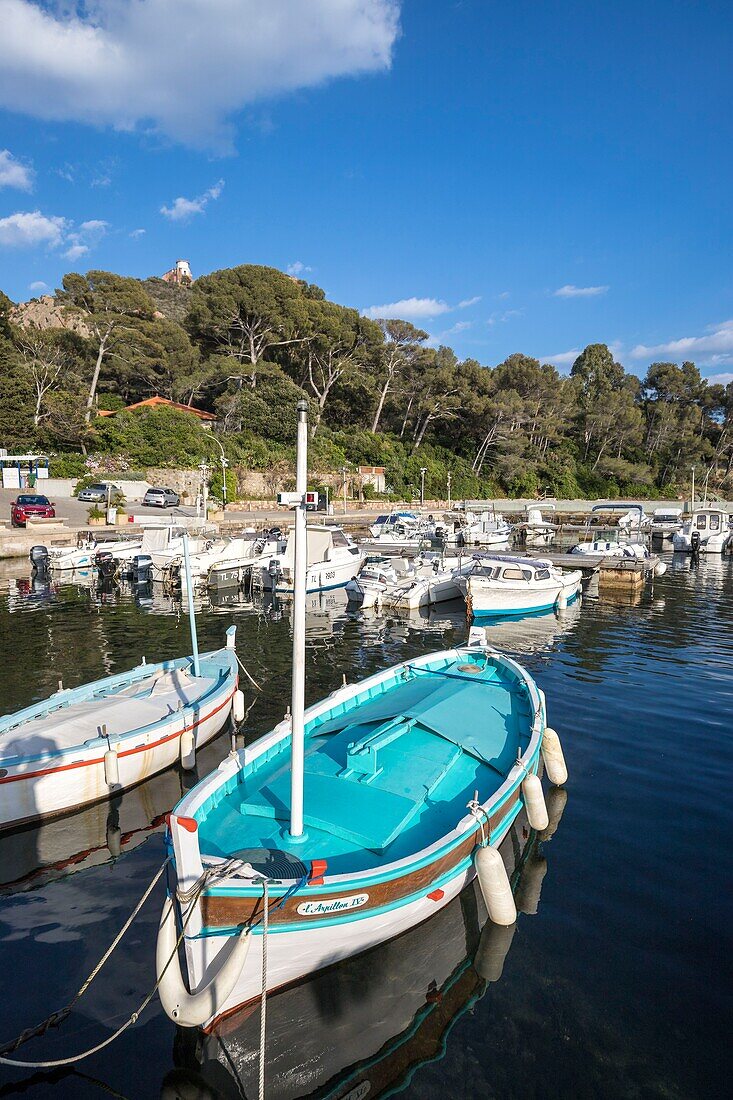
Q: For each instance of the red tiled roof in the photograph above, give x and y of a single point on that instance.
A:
(156, 403)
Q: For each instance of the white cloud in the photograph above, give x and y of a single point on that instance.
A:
(504, 295)
(469, 302)
(81, 241)
(184, 209)
(13, 173)
(297, 269)
(24, 230)
(562, 359)
(182, 67)
(409, 308)
(504, 315)
(137, 233)
(716, 346)
(38, 287)
(571, 291)
(720, 379)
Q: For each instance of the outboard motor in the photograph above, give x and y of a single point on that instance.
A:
(142, 565)
(695, 543)
(39, 560)
(274, 568)
(106, 565)
(274, 533)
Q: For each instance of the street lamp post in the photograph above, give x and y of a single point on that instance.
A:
(224, 465)
(449, 504)
(343, 475)
(203, 467)
(423, 471)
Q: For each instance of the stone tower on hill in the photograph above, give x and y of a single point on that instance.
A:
(180, 274)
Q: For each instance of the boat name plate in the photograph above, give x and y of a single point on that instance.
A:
(322, 907)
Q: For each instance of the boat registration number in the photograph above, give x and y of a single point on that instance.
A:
(323, 907)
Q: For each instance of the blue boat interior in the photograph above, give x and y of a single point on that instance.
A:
(386, 773)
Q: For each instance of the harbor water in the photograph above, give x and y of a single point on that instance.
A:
(616, 980)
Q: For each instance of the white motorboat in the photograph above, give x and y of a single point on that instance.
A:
(430, 583)
(706, 529)
(610, 548)
(537, 530)
(489, 530)
(219, 562)
(634, 520)
(384, 525)
(513, 586)
(665, 521)
(81, 556)
(333, 560)
(374, 578)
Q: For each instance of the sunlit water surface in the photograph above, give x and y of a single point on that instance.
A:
(615, 983)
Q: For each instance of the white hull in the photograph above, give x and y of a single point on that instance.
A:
(292, 955)
(34, 789)
(84, 558)
(542, 536)
(709, 544)
(321, 576)
(485, 597)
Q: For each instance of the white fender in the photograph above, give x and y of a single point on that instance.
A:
(562, 600)
(534, 803)
(660, 569)
(238, 706)
(477, 636)
(492, 950)
(495, 887)
(111, 768)
(553, 758)
(193, 1009)
(188, 751)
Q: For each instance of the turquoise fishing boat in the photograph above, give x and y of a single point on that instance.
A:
(350, 822)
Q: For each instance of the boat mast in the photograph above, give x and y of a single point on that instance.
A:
(191, 611)
(297, 705)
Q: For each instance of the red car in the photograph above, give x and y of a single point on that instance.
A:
(30, 506)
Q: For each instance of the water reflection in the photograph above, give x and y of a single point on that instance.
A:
(365, 1026)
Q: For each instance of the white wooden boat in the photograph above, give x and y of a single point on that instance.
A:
(352, 821)
(333, 559)
(707, 526)
(498, 587)
(87, 744)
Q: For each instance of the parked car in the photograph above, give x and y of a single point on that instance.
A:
(30, 506)
(161, 498)
(97, 494)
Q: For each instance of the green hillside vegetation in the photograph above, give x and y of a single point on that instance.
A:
(247, 342)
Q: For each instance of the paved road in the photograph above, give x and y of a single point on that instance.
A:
(74, 511)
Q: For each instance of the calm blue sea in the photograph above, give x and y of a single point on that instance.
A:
(616, 982)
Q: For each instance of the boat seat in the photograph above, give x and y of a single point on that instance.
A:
(359, 814)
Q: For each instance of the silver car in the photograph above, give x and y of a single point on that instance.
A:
(97, 494)
(161, 498)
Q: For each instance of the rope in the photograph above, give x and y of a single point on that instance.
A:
(130, 1021)
(263, 1009)
(252, 681)
(57, 1018)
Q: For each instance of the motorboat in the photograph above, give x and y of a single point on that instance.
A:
(705, 529)
(512, 586)
(398, 539)
(384, 525)
(664, 523)
(89, 743)
(487, 530)
(611, 548)
(376, 575)
(634, 519)
(221, 562)
(536, 530)
(333, 559)
(82, 556)
(429, 583)
(351, 821)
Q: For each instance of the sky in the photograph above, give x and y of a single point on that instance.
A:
(508, 175)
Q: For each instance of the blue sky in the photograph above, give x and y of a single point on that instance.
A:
(512, 176)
